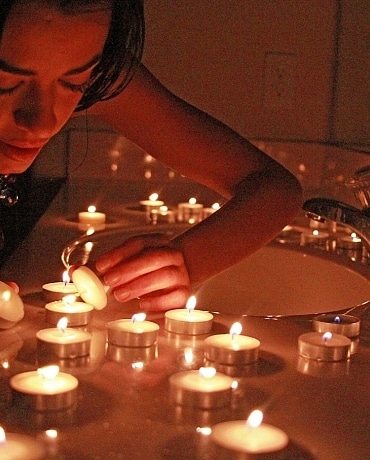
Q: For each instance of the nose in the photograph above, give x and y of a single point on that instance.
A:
(35, 113)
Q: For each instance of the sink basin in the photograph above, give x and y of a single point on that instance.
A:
(280, 281)
(275, 281)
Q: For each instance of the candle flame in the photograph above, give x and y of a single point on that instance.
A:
(62, 324)
(315, 232)
(216, 206)
(2, 435)
(51, 434)
(204, 430)
(138, 317)
(327, 336)
(236, 329)
(48, 372)
(192, 201)
(138, 366)
(255, 419)
(188, 355)
(153, 197)
(91, 208)
(5, 364)
(207, 372)
(191, 303)
(69, 299)
(65, 277)
(337, 320)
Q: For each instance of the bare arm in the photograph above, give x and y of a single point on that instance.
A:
(262, 195)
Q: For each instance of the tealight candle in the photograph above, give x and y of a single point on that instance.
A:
(14, 446)
(134, 332)
(209, 211)
(91, 216)
(11, 307)
(314, 238)
(232, 349)
(324, 347)
(129, 355)
(63, 342)
(163, 215)
(188, 320)
(249, 437)
(89, 286)
(190, 212)
(77, 313)
(45, 389)
(347, 325)
(204, 388)
(151, 203)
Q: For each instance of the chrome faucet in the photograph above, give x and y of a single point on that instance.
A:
(322, 209)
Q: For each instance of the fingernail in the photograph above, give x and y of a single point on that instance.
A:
(121, 295)
(145, 304)
(112, 278)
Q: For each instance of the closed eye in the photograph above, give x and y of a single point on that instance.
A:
(81, 88)
(9, 91)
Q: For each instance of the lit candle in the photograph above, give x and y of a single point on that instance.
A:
(188, 320)
(204, 388)
(91, 216)
(190, 212)
(77, 313)
(14, 446)
(11, 307)
(249, 437)
(63, 342)
(89, 286)
(209, 211)
(134, 332)
(163, 215)
(232, 349)
(45, 389)
(347, 325)
(324, 347)
(57, 290)
(151, 203)
(314, 238)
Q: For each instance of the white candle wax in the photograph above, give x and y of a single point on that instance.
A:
(91, 216)
(151, 204)
(43, 393)
(68, 343)
(21, 447)
(324, 347)
(57, 290)
(185, 321)
(232, 349)
(128, 333)
(194, 389)
(89, 286)
(11, 307)
(237, 436)
(77, 313)
(347, 325)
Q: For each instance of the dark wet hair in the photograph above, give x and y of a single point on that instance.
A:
(122, 51)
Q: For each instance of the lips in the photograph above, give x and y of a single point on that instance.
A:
(20, 152)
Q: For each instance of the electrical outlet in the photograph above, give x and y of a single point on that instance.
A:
(279, 84)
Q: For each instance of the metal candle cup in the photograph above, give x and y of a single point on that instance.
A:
(77, 313)
(58, 290)
(129, 355)
(191, 322)
(190, 388)
(347, 325)
(237, 350)
(324, 347)
(68, 343)
(128, 333)
(43, 394)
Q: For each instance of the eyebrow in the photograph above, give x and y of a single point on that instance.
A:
(5, 67)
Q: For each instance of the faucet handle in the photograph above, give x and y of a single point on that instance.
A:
(360, 185)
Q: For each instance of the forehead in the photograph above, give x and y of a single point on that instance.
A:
(38, 30)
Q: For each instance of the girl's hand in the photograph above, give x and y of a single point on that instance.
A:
(147, 267)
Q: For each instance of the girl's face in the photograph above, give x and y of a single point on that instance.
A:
(46, 59)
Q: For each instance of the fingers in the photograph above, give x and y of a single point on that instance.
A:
(129, 249)
(13, 285)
